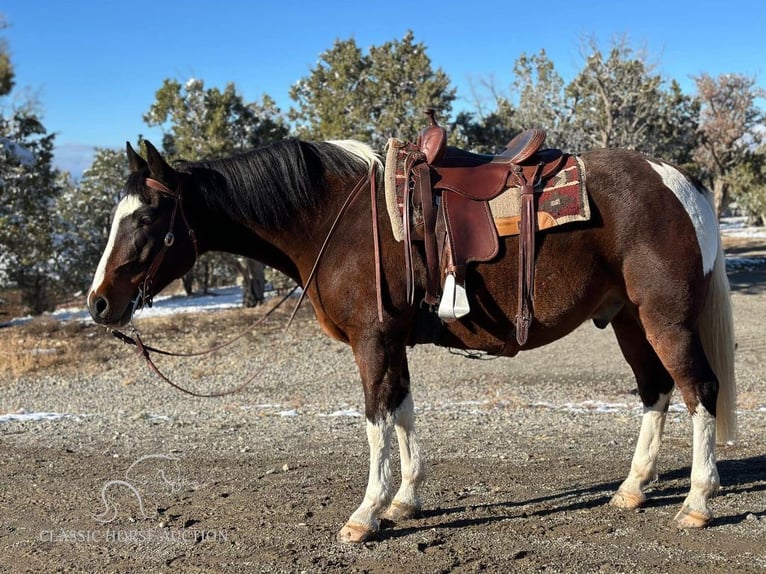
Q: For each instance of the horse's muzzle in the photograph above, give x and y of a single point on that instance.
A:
(103, 313)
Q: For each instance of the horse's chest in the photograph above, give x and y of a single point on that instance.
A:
(329, 327)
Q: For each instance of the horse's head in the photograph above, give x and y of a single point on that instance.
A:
(150, 244)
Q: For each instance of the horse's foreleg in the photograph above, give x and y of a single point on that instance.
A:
(364, 522)
(406, 503)
(385, 390)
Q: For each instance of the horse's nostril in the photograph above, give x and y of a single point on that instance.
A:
(101, 306)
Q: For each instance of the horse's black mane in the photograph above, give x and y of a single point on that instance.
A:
(270, 184)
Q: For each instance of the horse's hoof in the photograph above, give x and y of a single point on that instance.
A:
(353, 533)
(627, 500)
(400, 511)
(688, 518)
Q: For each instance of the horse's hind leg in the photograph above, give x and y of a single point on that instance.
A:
(387, 406)
(654, 386)
(678, 346)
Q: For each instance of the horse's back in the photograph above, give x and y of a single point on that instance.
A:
(649, 230)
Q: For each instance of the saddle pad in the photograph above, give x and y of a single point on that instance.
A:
(394, 179)
(564, 198)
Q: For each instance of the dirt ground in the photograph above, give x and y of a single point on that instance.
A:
(127, 475)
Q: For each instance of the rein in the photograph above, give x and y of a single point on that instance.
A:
(142, 296)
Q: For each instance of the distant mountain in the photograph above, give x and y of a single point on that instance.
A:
(73, 157)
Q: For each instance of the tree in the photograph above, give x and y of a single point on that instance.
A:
(401, 84)
(205, 123)
(618, 100)
(370, 97)
(330, 103)
(28, 187)
(543, 101)
(86, 215)
(6, 69)
(485, 133)
(730, 129)
(747, 181)
(673, 135)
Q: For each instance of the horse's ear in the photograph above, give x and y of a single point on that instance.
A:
(158, 167)
(135, 161)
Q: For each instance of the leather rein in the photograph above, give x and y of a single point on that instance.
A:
(145, 296)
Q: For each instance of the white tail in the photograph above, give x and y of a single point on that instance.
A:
(716, 330)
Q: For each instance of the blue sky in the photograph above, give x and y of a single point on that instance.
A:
(96, 65)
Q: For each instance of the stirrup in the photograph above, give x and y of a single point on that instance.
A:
(454, 303)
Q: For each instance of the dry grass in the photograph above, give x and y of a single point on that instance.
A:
(45, 346)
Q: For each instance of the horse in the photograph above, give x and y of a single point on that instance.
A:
(649, 262)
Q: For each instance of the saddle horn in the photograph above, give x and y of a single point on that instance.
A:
(432, 139)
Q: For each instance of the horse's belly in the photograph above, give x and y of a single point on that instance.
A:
(570, 287)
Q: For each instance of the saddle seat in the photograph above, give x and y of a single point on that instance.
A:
(432, 141)
(482, 177)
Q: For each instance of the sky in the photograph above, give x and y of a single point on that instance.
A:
(95, 66)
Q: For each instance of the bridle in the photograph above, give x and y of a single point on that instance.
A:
(145, 296)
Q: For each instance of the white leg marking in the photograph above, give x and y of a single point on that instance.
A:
(378, 493)
(126, 207)
(698, 205)
(643, 468)
(704, 480)
(406, 502)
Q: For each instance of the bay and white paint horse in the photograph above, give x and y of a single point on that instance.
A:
(649, 262)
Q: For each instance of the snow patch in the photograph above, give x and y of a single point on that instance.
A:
(22, 416)
(22, 154)
(353, 413)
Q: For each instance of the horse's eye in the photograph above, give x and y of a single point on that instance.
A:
(145, 220)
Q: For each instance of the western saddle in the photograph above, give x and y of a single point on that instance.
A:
(449, 190)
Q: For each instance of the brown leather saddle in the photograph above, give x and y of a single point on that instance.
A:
(450, 189)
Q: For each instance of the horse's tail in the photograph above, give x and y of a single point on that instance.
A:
(716, 330)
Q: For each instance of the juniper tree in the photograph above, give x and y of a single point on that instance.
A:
(370, 96)
(201, 123)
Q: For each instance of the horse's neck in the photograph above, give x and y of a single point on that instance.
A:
(218, 230)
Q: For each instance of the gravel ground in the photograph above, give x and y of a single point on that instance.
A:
(522, 456)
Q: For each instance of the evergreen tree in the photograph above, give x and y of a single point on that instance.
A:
(6, 69)
(673, 135)
(485, 133)
(747, 181)
(202, 123)
(543, 102)
(614, 101)
(617, 99)
(28, 189)
(86, 215)
(331, 100)
(373, 96)
(207, 123)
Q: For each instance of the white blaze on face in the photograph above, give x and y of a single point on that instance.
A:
(126, 207)
(699, 207)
